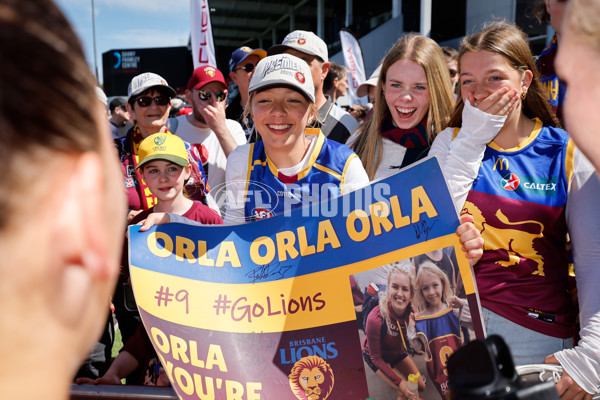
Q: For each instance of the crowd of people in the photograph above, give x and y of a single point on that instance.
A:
(524, 186)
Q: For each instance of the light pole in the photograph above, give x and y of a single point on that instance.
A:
(94, 39)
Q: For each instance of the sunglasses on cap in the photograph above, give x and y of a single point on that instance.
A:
(248, 67)
(205, 95)
(146, 101)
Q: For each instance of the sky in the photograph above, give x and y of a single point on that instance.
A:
(128, 24)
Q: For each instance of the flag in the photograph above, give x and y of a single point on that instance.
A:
(353, 60)
(203, 48)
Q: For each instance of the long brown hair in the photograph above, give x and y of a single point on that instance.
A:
(425, 52)
(510, 42)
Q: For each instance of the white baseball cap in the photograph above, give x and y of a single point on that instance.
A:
(303, 41)
(283, 70)
(363, 88)
(145, 81)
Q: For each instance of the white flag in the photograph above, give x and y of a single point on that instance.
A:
(203, 48)
(353, 60)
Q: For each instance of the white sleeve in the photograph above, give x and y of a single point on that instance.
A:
(460, 158)
(582, 215)
(236, 176)
(356, 176)
(237, 132)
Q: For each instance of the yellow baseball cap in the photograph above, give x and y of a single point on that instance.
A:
(163, 146)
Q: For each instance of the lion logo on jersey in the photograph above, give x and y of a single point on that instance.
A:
(311, 378)
(520, 243)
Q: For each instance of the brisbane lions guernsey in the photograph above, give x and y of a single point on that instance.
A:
(518, 203)
(269, 192)
(440, 334)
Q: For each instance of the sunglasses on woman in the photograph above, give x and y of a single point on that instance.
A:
(146, 101)
(205, 95)
(248, 67)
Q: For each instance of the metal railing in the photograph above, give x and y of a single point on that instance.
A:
(120, 392)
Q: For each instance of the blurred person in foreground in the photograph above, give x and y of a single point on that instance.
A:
(578, 63)
(72, 217)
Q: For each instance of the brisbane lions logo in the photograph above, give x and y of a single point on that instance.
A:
(520, 241)
(311, 379)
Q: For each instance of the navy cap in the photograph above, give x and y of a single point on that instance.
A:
(239, 55)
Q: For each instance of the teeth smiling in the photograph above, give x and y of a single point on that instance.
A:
(403, 110)
(278, 127)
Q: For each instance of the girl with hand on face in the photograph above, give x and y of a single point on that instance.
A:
(527, 187)
(387, 331)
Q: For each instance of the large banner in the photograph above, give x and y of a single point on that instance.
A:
(273, 309)
(353, 60)
(203, 48)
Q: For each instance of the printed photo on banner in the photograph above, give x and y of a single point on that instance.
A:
(412, 315)
(282, 307)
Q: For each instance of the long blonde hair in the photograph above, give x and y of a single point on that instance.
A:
(425, 52)
(396, 268)
(509, 41)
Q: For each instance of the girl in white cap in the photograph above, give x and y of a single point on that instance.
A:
(292, 163)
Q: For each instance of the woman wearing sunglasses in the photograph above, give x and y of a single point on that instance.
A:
(149, 103)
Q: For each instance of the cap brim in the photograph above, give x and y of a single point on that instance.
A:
(199, 85)
(184, 162)
(363, 88)
(287, 85)
(169, 89)
(257, 52)
(277, 49)
(281, 48)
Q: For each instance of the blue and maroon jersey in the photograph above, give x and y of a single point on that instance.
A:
(518, 203)
(269, 192)
(440, 334)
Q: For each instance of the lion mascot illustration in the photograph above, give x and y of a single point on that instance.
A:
(311, 378)
(520, 242)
